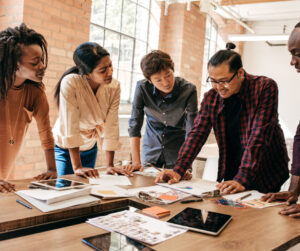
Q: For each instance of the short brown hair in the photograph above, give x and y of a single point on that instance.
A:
(155, 62)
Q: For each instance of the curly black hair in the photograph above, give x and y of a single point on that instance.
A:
(12, 41)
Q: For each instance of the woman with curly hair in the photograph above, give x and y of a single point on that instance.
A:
(23, 61)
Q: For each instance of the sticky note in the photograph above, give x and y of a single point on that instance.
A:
(107, 192)
(168, 197)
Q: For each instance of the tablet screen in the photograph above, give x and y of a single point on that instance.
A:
(201, 220)
(60, 183)
(113, 242)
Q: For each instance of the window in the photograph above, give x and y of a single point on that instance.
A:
(124, 27)
(210, 48)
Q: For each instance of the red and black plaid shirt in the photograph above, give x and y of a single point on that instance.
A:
(264, 164)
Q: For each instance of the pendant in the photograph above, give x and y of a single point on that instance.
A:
(11, 141)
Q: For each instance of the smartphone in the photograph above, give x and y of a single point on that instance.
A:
(114, 242)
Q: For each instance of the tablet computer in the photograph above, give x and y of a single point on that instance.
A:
(200, 220)
(114, 242)
(60, 184)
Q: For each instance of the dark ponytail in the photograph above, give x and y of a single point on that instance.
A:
(230, 46)
(86, 58)
(232, 58)
(12, 41)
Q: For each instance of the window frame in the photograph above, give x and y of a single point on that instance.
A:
(121, 34)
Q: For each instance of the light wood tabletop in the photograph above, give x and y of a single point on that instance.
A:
(250, 229)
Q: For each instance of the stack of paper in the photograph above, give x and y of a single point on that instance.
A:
(156, 212)
(51, 196)
(49, 200)
(109, 192)
(137, 226)
(110, 180)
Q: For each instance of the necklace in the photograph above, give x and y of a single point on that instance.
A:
(12, 132)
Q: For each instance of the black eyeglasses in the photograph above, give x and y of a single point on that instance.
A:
(214, 82)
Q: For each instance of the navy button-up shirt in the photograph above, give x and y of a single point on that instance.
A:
(169, 119)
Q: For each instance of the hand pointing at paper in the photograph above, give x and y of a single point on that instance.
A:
(168, 176)
(172, 177)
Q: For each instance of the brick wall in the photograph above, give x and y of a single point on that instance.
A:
(65, 24)
(182, 36)
(11, 13)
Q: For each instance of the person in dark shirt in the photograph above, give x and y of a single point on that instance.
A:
(243, 111)
(291, 196)
(170, 106)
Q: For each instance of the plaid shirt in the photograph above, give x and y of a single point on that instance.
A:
(264, 164)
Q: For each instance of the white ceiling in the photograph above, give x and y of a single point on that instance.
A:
(284, 10)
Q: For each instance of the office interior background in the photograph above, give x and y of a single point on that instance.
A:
(190, 31)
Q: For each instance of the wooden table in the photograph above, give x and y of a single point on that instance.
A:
(250, 229)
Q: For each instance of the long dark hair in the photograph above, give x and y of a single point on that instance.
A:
(86, 57)
(12, 41)
(229, 56)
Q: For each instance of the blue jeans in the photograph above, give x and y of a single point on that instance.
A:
(63, 160)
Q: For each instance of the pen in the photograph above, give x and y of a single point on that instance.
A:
(24, 204)
(244, 196)
(213, 193)
(188, 201)
(154, 167)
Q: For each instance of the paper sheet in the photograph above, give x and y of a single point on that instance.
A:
(254, 195)
(137, 226)
(51, 196)
(193, 186)
(58, 205)
(257, 203)
(148, 171)
(110, 180)
(253, 200)
(162, 193)
(109, 192)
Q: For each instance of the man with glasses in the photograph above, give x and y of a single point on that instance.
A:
(242, 110)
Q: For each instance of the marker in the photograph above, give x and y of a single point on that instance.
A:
(244, 197)
(189, 201)
(24, 204)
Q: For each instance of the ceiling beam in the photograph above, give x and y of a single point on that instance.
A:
(237, 2)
